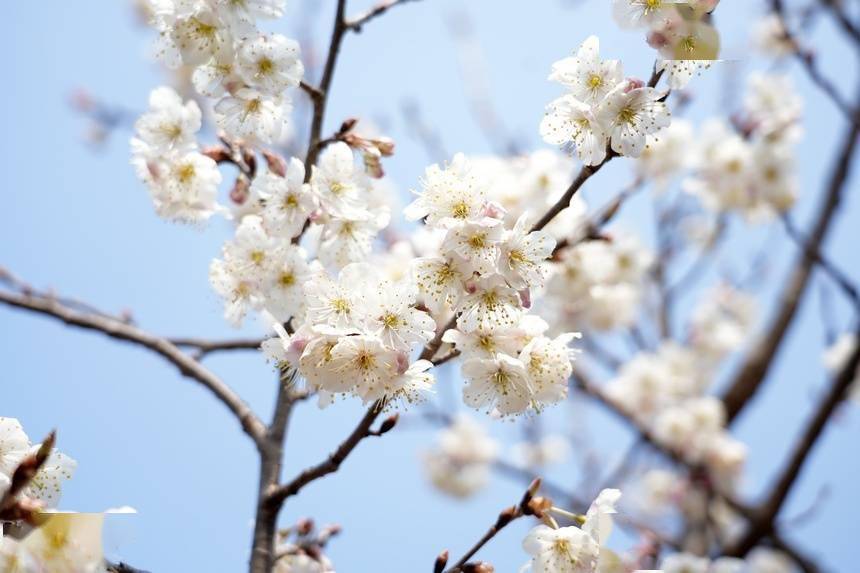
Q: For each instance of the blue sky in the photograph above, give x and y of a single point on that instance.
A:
(77, 220)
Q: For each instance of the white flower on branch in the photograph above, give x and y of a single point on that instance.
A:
(631, 113)
(169, 125)
(288, 201)
(450, 195)
(253, 116)
(588, 78)
(270, 64)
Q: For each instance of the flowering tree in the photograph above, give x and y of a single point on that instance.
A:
(501, 282)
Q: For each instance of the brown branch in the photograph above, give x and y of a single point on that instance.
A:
(836, 7)
(807, 60)
(204, 346)
(119, 330)
(747, 512)
(320, 98)
(758, 361)
(505, 517)
(358, 22)
(564, 202)
(765, 515)
(276, 496)
(836, 274)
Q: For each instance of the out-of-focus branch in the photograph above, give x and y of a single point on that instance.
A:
(807, 60)
(828, 266)
(764, 517)
(757, 363)
(837, 8)
(115, 328)
(751, 514)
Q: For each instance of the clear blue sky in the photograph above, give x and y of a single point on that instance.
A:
(79, 221)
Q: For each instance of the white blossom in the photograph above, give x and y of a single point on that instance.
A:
(169, 125)
(562, 550)
(270, 64)
(460, 463)
(287, 200)
(630, 114)
(588, 78)
(253, 116)
(570, 121)
(500, 383)
(450, 195)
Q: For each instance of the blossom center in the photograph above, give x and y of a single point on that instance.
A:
(340, 305)
(595, 81)
(287, 279)
(365, 360)
(460, 210)
(290, 202)
(257, 257)
(478, 241)
(265, 66)
(185, 173)
(627, 115)
(390, 320)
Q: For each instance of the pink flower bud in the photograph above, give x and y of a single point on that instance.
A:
(402, 362)
(526, 298)
(633, 84)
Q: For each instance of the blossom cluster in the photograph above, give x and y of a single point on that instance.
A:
(485, 273)
(460, 463)
(598, 284)
(231, 60)
(678, 30)
(356, 337)
(602, 110)
(263, 267)
(747, 167)
(664, 390)
(533, 182)
(760, 560)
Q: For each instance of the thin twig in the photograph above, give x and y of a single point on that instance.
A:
(358, 22)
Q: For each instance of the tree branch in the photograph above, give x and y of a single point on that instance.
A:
(115, 328)
(764, 516)
(357, 23)
(757, 363)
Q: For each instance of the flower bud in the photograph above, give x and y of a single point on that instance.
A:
(441, 561)
(275, 163)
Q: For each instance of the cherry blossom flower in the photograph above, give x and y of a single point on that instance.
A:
(588, 78)
(270, 64)
(287, 200)
(459, 465)
(169, 125)
(500, 383)
(570, 121)
(562, 550)
(630, 114)
(250, 115)
(450, 195)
